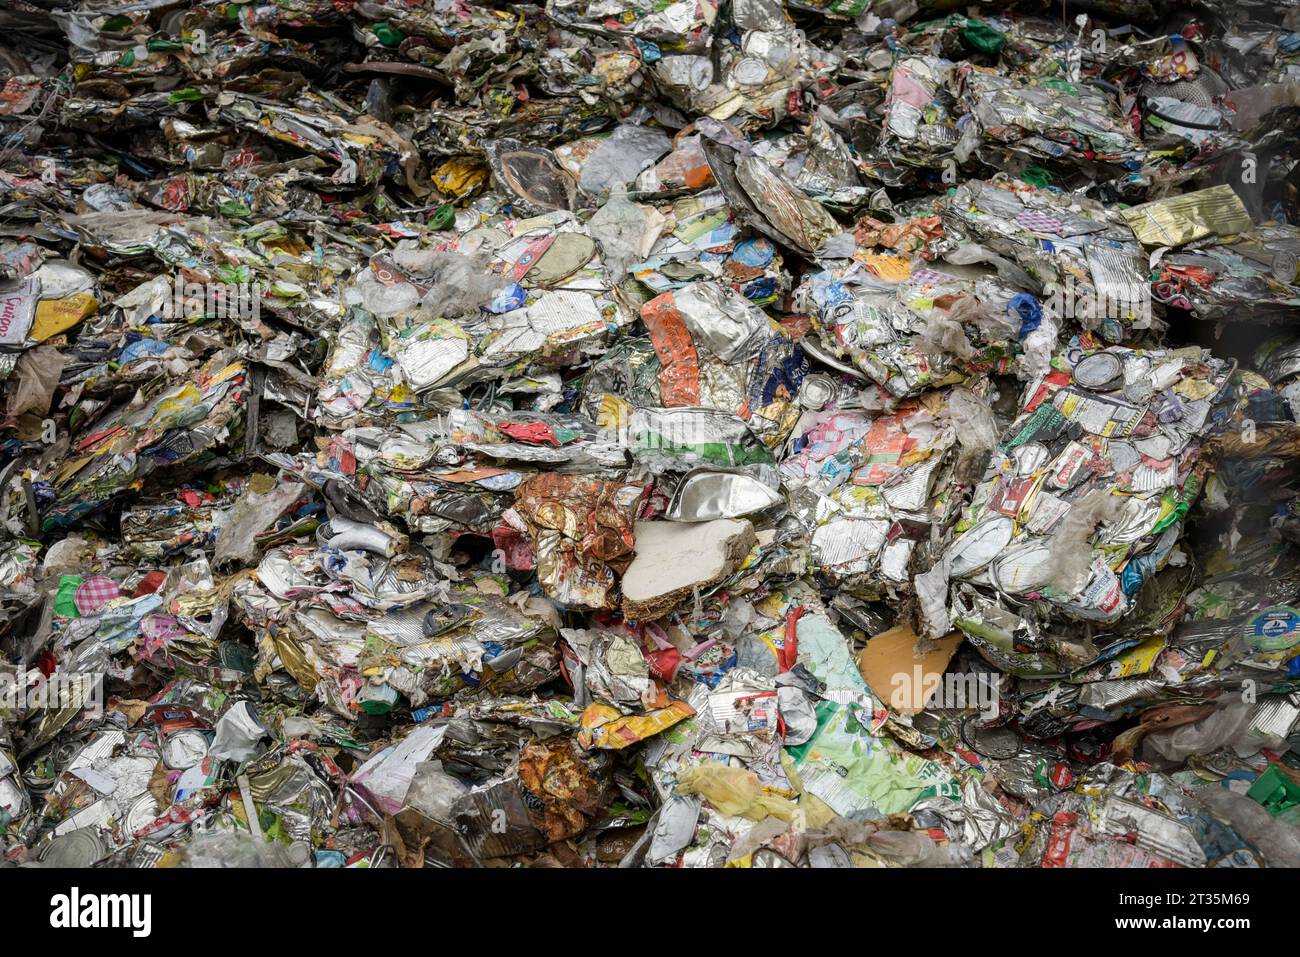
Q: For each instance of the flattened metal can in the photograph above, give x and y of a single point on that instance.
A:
(980, 545)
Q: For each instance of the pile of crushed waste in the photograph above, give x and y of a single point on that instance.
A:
(821, 433)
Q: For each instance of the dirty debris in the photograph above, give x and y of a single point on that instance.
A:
(766, 434)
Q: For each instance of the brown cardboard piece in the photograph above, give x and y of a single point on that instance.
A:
(891, 654)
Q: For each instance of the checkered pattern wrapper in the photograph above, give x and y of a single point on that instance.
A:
(94, 593)
(1038, 222)
(931, 276)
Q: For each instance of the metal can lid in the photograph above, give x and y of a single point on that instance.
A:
(999, 742)
(142, 812)
(750, 71)
(80, 848)
(1123, 456)
(818, 391)
(1101, 370)
(236, 657)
